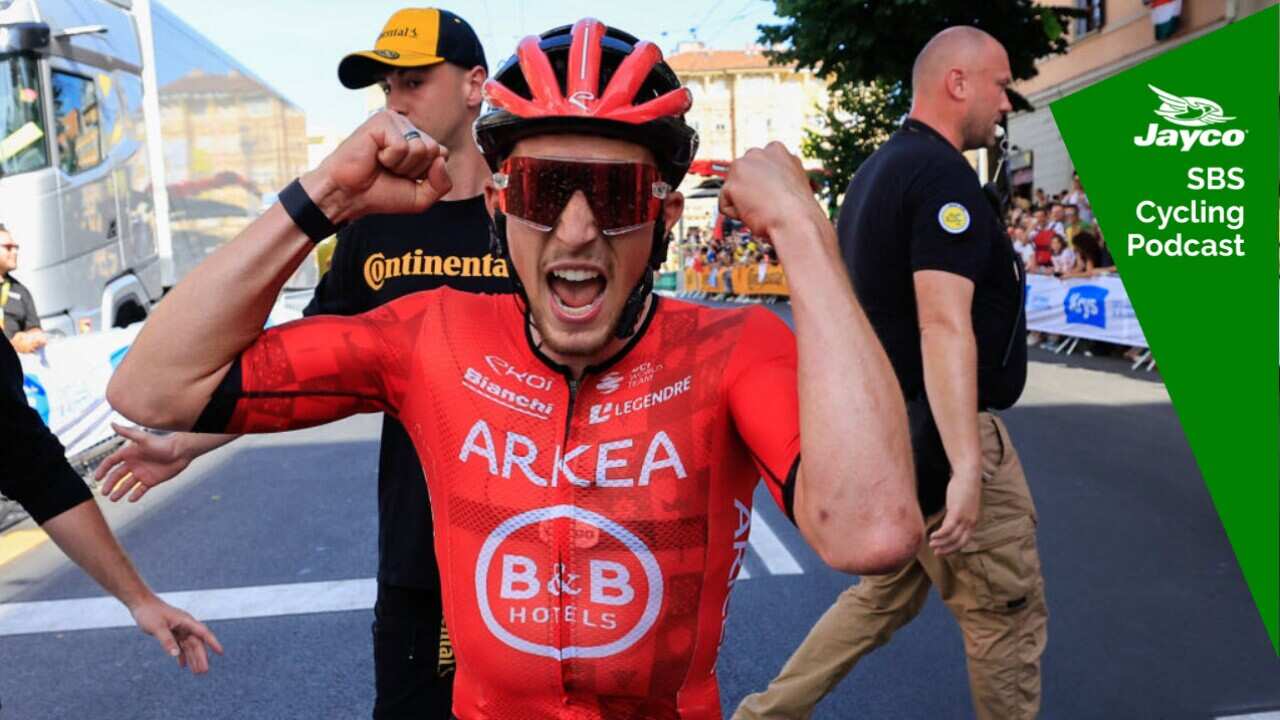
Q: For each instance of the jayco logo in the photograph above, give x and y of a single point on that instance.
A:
(1086, 305)
(1196, 113)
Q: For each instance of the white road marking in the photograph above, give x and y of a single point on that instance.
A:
(25, 618)
(770, 548)
(1272, 715)
(224, 604)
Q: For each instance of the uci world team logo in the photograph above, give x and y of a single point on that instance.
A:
(1196, 118)
(611, 594)
(1086, 305)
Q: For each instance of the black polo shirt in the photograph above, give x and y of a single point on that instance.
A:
(916, 204)
(18, 306)
(378, 259)
(33, 464)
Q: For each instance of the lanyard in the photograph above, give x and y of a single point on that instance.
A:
(4, 295)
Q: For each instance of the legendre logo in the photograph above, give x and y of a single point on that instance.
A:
(1196, 113)
(379, 268)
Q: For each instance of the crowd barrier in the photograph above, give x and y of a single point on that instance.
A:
(1095, 308)
(745, 280)
(66, 381)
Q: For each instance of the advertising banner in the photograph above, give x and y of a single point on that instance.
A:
(1092, 308)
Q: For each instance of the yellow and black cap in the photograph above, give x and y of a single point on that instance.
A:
(414, 37)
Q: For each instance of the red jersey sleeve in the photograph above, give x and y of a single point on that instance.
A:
(317, 370)
(764, 401)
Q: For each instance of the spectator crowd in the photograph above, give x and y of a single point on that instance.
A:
(715, 252)
(1057, 235)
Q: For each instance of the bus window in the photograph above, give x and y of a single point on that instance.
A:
(22, 141)
(75, 108)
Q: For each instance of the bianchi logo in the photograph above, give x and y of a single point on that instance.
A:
(484, 386)
(612, 600)
(1197, 113)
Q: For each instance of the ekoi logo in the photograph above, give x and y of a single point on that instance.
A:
(613, 599)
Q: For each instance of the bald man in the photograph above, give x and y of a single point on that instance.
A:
(941, 284)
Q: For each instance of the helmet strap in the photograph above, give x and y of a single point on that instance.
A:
(499, 246)
(634, 306)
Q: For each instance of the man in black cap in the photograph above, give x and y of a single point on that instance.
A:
(431, 66)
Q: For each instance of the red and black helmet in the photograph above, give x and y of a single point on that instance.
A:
(591, 79)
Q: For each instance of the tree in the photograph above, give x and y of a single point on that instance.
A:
(868, 47)
(878, 39)
(858, 120)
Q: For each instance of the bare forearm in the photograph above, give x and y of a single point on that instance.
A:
(950, 356)
(205, 322)
(858, 488)
(193, 445)
(82, 533)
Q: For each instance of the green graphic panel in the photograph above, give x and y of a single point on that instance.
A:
(1179, 158)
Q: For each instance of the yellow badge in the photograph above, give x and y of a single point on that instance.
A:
(954, 218)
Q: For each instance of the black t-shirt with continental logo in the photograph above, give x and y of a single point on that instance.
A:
(916, 204)
(378, 259)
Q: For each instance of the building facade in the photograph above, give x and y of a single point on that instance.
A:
(1119, 35)
(741, 101)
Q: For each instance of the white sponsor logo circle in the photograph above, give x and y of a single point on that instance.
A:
(637, 547)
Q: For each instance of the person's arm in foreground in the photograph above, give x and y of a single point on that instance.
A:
(218, 310)
(950, 354)
(149, 459)
(84, 536)
(855, 498)
(37, 476)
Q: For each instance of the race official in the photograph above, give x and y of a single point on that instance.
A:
(942, 285)
(431, 66)
(21, 321)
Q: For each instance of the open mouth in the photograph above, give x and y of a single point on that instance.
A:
(576, 293)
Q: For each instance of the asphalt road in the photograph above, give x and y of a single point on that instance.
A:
(1149, 614)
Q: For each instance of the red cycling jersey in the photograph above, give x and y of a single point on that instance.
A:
(588, 532)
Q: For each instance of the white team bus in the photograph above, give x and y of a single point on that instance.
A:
(130, 147)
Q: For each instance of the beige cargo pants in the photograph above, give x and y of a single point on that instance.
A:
(992, 586)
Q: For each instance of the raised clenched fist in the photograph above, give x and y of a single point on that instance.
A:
(766, 188)
(385, 166)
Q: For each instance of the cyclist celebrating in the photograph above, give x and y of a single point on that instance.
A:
(590, 450)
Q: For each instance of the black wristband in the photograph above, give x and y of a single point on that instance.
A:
(304, 212)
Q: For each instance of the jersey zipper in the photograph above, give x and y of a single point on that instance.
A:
(564, 553)
(568, 418)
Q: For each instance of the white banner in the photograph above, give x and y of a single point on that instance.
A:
(1095, 308)
(66, 381)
